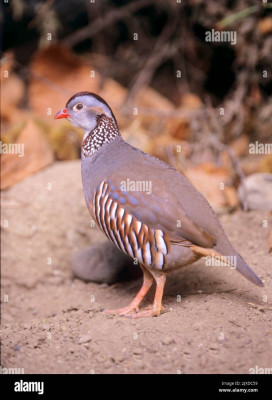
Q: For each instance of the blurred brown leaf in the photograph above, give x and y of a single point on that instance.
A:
(240, 146)
(190, 101)
(170, 150)
(180, 128)
(207, 178)
(231, 196)
(265, 25)
(114, 93)
(257, 163)
(57, 74)
(12, 92)
(138, 137)
(265, 164)
(150, 99)
(37, 155)
(251, 164)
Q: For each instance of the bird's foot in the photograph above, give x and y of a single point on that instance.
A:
(151, 311)
(125, 311)
(132, 311)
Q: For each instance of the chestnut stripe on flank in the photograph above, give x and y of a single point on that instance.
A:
(107, 219)
(149, 246)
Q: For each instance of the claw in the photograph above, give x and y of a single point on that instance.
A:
(125, 311)
(149, 312)
(134, 312)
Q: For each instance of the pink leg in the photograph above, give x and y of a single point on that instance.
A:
(134, 305)
(157, 307)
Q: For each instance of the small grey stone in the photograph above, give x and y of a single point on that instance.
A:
(103, 263)
(256, 191)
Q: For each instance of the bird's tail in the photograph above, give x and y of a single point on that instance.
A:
(232, 258)
(247, 272)
(225, 247)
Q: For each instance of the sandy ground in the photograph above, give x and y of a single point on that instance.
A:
(216, 321)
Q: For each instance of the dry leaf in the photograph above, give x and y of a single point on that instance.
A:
(265, 164)
(57, 74)
(6, 65)
(265, 25)
(150, 99)
(36, 155)
(12, 92)
(137, 136)
(250, 165)
(240, 146)
(180, 128)
(170, 150)
(190, 101)
(231, 196)
(210, 180)
(115, 95)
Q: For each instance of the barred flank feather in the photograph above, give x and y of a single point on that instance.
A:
(149, 246)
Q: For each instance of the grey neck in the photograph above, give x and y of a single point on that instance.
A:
(105, 131)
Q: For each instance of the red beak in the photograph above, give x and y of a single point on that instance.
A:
(62, 114)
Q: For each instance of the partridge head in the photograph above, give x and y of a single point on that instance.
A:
(145, 207)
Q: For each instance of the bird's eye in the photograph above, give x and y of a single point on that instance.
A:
(78, 106)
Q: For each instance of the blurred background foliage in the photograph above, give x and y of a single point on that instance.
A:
(195, 104)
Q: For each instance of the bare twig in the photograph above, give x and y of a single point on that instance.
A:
(41, 13)
(168, 51)
(242, 14)
(221, 146)
(236, 165)
(102, 22)
(160, 51)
